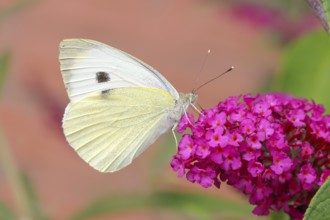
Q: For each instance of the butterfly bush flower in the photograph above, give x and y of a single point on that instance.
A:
(273, 147)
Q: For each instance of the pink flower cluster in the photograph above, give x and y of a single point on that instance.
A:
(273, 147)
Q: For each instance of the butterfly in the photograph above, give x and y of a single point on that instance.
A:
(118, 104)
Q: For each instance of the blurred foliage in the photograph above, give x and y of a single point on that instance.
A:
(326, 7)
(15, 8)
(321, 9)
(5, 213)
(190, 204)
(282, 21)
(160, 161)
(295, 8)
(305, 69)
(4, 64)
(279, 216)
(290, 6)
(20, 185)
(320, 204)
(34, 205)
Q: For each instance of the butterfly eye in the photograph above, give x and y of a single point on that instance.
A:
(102, 77)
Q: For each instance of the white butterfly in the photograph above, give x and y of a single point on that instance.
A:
(119, 105)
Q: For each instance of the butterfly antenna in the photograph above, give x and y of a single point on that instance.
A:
(202, 67)
(207, 82)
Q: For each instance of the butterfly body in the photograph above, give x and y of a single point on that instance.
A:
(118, 105)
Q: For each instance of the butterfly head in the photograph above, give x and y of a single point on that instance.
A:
(187, 98)
(192, 97)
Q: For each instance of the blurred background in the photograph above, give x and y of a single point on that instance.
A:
(40, 174)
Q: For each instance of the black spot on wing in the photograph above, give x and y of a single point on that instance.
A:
(102, 77)
(106, 92)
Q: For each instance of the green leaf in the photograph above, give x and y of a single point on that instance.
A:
(326, 6)
(319, 208)
(191, 204)
(305, 70)
(4, 64)
(5, 213)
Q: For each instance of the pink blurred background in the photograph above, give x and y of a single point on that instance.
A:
(172, 36)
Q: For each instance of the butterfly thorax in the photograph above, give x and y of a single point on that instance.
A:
(181, 105)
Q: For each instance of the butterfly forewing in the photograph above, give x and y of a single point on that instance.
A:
(84, 61)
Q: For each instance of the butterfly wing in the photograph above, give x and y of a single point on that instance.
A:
(109, 130)
(89, 66)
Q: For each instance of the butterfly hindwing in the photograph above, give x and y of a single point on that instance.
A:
(109, 130)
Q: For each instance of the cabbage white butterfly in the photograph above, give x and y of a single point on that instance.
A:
(118, 105)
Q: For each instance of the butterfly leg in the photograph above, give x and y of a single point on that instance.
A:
(173, 132)
(196, 109)
(185, 113)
